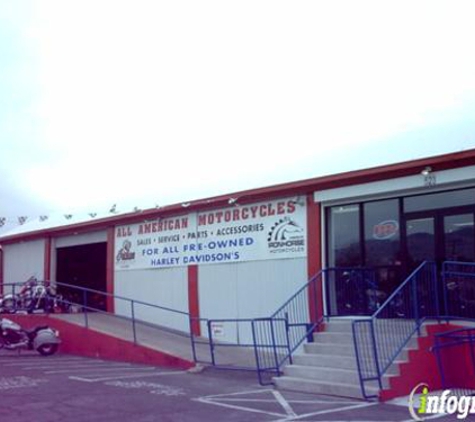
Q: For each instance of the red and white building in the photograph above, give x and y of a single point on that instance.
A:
(242, 255)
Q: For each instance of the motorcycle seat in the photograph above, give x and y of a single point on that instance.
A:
(36, 329)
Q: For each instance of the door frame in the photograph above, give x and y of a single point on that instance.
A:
(439, 230)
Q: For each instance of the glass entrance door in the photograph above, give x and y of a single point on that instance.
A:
(439, 236)
(420, 241)
(459, 237)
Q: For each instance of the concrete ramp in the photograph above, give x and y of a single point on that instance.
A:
(109, 337)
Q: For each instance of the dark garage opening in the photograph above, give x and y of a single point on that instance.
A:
(83, 266)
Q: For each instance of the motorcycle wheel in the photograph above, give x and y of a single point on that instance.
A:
(9, 306)
(47, 349)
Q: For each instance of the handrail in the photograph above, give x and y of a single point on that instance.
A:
(105, 294)
(86, 307)
(457, 337)
(379, 339)
(398, 290)
(305, 286)
(458, 279)
(277, 337)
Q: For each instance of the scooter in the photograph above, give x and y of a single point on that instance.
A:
(43, 339)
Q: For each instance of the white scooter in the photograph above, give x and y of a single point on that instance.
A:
(43, 339)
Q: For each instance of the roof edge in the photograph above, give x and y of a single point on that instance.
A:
(301, 187)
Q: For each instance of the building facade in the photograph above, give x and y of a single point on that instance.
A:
(242, 255)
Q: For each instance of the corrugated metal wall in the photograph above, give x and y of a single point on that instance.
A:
(247, 290)
(81, 239)
(167, 287)
(23, 260)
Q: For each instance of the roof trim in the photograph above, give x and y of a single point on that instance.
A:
(302, 187)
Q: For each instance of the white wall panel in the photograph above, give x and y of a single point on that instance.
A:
(247, 290)
(459, 177)
(81, 239)
(23, 260)
(166, 287)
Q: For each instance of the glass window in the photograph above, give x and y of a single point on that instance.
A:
(420, 234)
(344, 236)
(382, 234)
(459, 237)
(440, 200)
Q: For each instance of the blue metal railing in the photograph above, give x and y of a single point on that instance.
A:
(268, 343)
(264, 344)
(456, 346)
(380, 338)
(276, 338)
(351, 291)
(136, 312)
(458, 280)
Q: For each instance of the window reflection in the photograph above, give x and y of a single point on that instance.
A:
(459, 237)
(344, 236)
(440, 200)
(382, 234)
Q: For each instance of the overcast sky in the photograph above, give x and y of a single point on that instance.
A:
(155, 102)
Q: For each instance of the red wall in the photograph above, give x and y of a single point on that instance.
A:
(81, 341)
(422, 367)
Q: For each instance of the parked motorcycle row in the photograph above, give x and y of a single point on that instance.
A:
(33, 296)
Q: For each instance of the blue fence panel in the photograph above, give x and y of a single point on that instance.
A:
(271, 346)
(350, 291)
(459, 288)
(381, 338)
(456, 346)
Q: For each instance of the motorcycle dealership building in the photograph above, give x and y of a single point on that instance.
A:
(244, 254)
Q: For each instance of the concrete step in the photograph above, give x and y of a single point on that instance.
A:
(322, 387)
(333, 337)
(314, 373)
(338, 326)
(330, 349)
(393, 370)
(329, 361)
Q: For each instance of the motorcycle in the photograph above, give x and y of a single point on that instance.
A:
(12, 302)
(34, 295)
(43, 339)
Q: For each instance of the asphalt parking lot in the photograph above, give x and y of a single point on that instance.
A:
(70, 388)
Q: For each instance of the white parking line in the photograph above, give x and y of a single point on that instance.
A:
(156, 374)
(326, 411)
(284, 403)
(221, 400)
(17, 362)
(242, 401)
(103, 365)
(231, 406)
(66, 371)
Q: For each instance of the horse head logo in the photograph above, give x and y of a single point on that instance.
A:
(285, 229)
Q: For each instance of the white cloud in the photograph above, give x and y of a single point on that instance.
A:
(176, 100)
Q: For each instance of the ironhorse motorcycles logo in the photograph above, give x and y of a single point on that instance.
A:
(286, 236)
(441, 402)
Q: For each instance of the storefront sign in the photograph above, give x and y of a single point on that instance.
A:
(385, 230)
(268, 230)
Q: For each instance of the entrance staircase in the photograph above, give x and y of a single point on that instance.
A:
(298, 347)
(328, 365)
